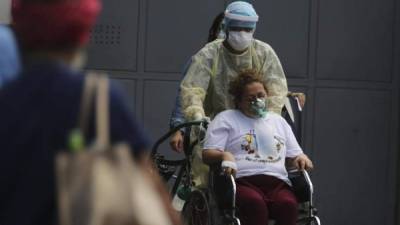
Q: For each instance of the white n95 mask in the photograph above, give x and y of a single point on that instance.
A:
(240, 40)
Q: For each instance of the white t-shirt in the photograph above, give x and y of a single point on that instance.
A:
(259, 146)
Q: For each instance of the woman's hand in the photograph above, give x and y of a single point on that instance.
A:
(176, 141)
(302, 162)
(225, 158)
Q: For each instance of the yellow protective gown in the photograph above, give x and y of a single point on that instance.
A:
(204, 88)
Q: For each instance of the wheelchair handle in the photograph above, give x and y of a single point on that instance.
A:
(175, 129)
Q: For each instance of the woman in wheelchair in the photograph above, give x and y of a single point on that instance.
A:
(253, 144)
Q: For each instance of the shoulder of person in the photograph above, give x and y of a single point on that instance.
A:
(263, 50)
(262, 45)
(278, 120)
(275, 116)
(214, 44)
(227, 112)
(210, 49)
(227, 118)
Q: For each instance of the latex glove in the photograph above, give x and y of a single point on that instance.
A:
(200, 131)
(301, 97)
(198, 116)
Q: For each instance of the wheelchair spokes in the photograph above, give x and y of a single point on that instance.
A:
(196, 210)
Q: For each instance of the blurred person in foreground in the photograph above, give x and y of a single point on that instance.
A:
(40, 108)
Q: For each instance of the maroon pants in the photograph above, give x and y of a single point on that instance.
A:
(261, 197)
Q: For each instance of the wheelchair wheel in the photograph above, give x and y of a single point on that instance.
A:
(314, 220)
(196, 210)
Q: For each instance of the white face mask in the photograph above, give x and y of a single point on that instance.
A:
(240, 40)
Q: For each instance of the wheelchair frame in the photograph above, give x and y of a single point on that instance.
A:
(165, 166)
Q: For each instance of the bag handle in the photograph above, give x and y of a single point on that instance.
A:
(89, 88)
(96, 84)
(102, 112)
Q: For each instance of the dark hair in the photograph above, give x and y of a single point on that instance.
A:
(239, 83)
(215, 27)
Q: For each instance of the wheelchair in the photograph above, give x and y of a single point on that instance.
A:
(215, 204)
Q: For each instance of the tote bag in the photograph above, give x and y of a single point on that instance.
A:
(101, 184)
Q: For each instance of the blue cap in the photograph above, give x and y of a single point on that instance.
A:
(240, 14)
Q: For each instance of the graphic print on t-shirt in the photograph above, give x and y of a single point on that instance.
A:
(262, 145)
(249, 143)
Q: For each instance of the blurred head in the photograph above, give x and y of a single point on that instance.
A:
(54, 25)
(216, 28)
(240, 23)
(249, 93)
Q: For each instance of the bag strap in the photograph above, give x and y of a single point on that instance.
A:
(86, 102)
(102, 112)
(96, 84)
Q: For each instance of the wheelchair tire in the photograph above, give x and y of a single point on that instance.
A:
(309, 221)
(196, 210)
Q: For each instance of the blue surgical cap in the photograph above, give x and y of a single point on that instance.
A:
(9, 57)
(240, 14)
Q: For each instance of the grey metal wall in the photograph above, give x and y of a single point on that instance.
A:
(344, 54)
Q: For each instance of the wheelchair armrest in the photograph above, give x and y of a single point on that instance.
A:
(301, 184)
(223, 186)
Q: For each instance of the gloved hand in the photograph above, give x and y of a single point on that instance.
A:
(200, 131)
(301, 98)
(198, 116)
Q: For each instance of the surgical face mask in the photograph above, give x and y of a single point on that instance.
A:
(240, 40)
(258, 107)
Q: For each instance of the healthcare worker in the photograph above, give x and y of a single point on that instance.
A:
(204, 90)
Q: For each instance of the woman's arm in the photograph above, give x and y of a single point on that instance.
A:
(212, 156)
